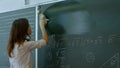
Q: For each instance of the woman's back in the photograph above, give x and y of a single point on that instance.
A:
(19, 49)
(21, 55)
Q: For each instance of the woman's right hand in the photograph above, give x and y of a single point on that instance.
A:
(43, 20)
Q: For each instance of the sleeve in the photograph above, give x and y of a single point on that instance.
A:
(37, 44)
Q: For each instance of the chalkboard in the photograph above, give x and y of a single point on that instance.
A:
(86, 51)
(82, 36)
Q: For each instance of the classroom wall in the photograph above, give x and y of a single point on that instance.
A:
(11, 5)
(6, 20)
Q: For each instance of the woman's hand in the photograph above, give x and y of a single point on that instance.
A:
(43, 20)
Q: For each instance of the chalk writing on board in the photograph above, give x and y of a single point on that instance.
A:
(57, 55)
(60, 52)
(90, 57)
(65, 66)
(113, 61)
(61, 60)
(111, 38)
(77, 41)
(61, 66)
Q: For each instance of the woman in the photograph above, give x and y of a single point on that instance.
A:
(19, 48)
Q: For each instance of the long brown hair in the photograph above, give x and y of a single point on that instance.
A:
(18, 33)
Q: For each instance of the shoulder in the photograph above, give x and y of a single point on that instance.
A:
(29, 42)
(41, 41)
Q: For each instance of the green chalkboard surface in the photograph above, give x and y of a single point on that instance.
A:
(83, 35)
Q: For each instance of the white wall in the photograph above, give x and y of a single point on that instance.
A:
(11, 5)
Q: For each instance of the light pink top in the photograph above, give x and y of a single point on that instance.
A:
(21, 56)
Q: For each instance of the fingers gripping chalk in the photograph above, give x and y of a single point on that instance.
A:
(43, 19)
